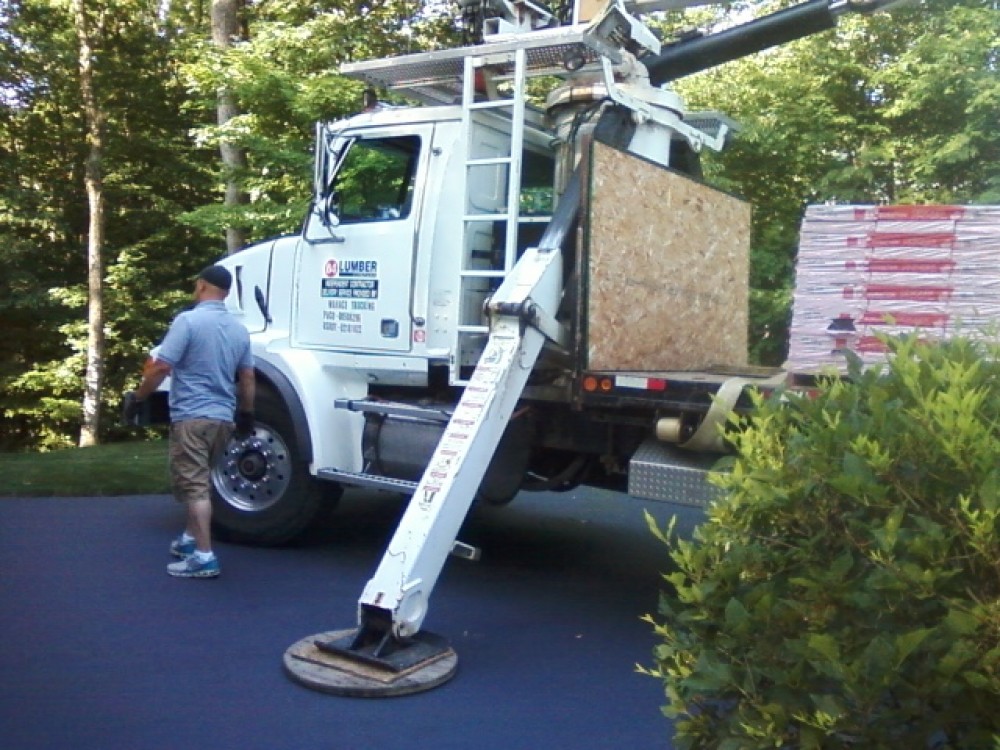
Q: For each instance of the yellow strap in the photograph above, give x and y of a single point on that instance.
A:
(708, 436)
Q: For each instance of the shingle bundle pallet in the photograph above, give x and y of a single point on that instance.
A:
(866, 270)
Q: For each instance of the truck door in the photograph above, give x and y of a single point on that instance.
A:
(355, 265)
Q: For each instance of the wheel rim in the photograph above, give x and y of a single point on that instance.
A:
(254, 472)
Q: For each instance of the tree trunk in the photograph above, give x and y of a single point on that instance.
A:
(226, 26)
(94, 181)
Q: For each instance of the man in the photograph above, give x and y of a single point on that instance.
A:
(207, 355)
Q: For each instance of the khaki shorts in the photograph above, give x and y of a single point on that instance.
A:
(194, 446)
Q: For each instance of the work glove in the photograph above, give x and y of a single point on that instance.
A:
(244, 424)
(130, 408)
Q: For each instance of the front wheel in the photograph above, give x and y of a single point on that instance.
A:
(262, 492)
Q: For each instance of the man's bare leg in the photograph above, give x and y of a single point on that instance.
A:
(199, 524)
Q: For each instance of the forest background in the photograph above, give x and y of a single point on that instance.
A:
(120, 183)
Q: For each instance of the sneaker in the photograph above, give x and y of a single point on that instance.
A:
(181, 549)
(191, 567)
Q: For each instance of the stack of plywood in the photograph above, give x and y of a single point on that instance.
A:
(667, 268)
(869, 270)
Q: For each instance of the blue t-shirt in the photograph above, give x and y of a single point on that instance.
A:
(205, 348)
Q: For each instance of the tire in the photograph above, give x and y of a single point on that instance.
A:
(505, 475)
(262, 492)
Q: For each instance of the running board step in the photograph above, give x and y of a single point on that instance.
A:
(402, 486)
(369, 481)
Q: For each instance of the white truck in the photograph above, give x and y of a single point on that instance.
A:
(487, 297)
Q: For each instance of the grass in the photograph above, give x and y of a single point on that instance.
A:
(138, 468)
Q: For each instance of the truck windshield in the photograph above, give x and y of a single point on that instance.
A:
(375, 180)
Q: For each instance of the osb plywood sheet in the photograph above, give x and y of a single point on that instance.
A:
(589, 9)
(668, 269)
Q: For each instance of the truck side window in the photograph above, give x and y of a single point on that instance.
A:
(375, 181)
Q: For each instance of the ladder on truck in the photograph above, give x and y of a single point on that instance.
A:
(487, 164)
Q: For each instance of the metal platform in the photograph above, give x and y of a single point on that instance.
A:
(664, 472)
(436, 77)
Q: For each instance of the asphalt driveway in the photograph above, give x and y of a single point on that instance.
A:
(99, 648)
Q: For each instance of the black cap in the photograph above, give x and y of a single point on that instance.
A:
(217, 276)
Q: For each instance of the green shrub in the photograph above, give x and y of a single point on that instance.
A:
(844, 592)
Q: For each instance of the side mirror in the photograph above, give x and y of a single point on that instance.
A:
(331, 209)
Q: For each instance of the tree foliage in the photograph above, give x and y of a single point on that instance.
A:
(152, 175)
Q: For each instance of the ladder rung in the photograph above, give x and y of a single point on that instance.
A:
(489, 162)
(493, 104)
(485, 217)
(472, 218)
(470, 274)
